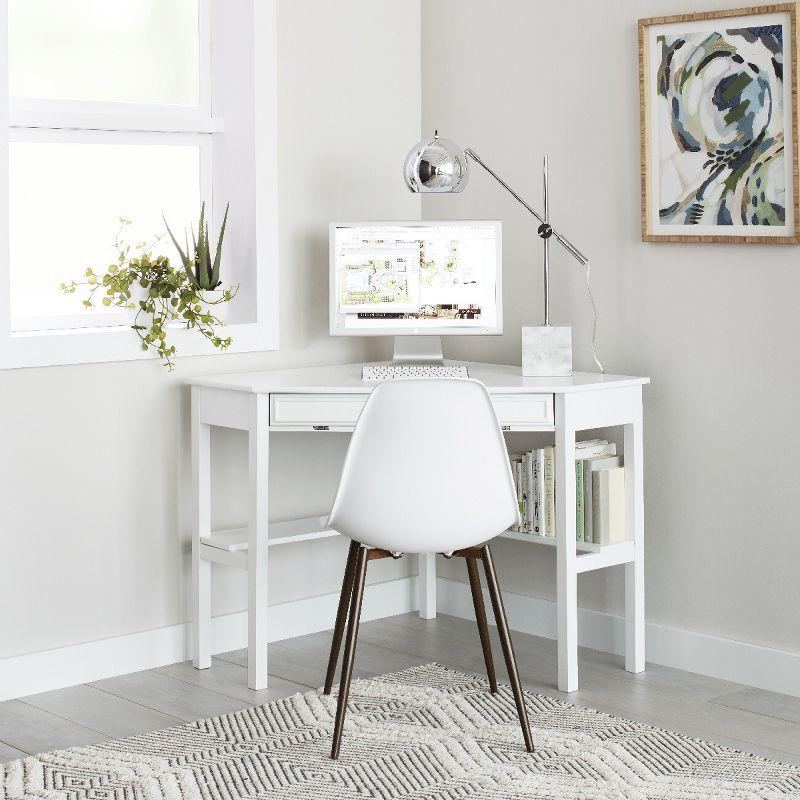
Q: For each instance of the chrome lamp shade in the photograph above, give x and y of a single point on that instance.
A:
(436, 165)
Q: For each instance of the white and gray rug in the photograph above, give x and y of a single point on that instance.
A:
(426, 732)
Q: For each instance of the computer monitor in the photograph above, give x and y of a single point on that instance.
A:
(427, 278)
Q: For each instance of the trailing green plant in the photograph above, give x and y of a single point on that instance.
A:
(162, 296)
(197, 263)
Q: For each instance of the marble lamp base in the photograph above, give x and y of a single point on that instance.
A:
(546, 351)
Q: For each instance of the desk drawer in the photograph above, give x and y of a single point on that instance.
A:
(307, 410)
(524, 410)
(342, 410)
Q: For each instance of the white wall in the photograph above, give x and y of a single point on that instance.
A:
(93, 492)
(715, 326)
(93, 497)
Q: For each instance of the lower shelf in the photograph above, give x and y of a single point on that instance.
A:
(590, 556)
(230, 546)
(293, 530)
(535, 538)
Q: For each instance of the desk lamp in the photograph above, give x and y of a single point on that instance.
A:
(438, 165)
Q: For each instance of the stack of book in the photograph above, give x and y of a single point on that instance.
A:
(599, 495)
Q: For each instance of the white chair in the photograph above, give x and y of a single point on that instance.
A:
(426, 472)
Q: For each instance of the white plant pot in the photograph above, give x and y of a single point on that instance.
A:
(222, 310)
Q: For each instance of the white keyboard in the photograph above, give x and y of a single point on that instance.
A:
(392, 372)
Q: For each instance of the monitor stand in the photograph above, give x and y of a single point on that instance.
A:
(417, 350)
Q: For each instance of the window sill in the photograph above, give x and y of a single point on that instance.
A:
(119, 343)
(104, 121)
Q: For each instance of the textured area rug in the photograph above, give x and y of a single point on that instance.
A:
(426, 732)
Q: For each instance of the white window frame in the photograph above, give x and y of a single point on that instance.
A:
(220, 58)
(97, 317)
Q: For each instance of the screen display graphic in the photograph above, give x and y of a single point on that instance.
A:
(416, 276)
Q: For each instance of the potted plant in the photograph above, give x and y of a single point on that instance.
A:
(162, 296)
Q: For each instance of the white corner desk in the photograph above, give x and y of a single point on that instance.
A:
(321, 399)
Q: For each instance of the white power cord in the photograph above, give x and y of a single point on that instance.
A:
(594, 323)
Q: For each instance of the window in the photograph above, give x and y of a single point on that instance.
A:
(67, 191)
(149, 51)
(121, 110)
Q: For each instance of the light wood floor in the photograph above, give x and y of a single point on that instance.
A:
(753, 720)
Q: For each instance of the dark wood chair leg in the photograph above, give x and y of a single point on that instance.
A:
(341, 615)
(480, 616)
(350, 647)
(508, 647)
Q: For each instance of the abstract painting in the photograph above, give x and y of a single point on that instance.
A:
(719, 126)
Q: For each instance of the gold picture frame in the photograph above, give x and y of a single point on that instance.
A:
(719, 153)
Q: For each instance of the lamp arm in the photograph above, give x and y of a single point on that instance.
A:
(562, 240)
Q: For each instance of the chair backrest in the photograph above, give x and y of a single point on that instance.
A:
(427, 469)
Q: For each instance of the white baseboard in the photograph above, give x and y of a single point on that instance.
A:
(92, 661)
(726, 659)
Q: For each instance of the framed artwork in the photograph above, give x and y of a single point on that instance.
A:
(718, 95)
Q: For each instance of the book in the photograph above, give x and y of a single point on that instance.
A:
(516, 463)
(538, 492)
(530, 508)
(579, 530)
(595, 448)
(523, 495)
(514, 459)
(591, 465)
(549, 492)
(591, 448)
(608, 499)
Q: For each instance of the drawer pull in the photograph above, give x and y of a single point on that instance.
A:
(321, 427)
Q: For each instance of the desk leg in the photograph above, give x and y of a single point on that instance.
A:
(427, 585)
(257, 542)
(566, 558)
(634, 572)
(201, 526)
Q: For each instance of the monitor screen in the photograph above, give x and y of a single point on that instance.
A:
(431, 278)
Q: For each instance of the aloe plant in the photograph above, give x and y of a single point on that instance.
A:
(197, 263)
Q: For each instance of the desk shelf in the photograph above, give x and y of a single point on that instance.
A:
(590, 555)
(535, 538)
(230, 546)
